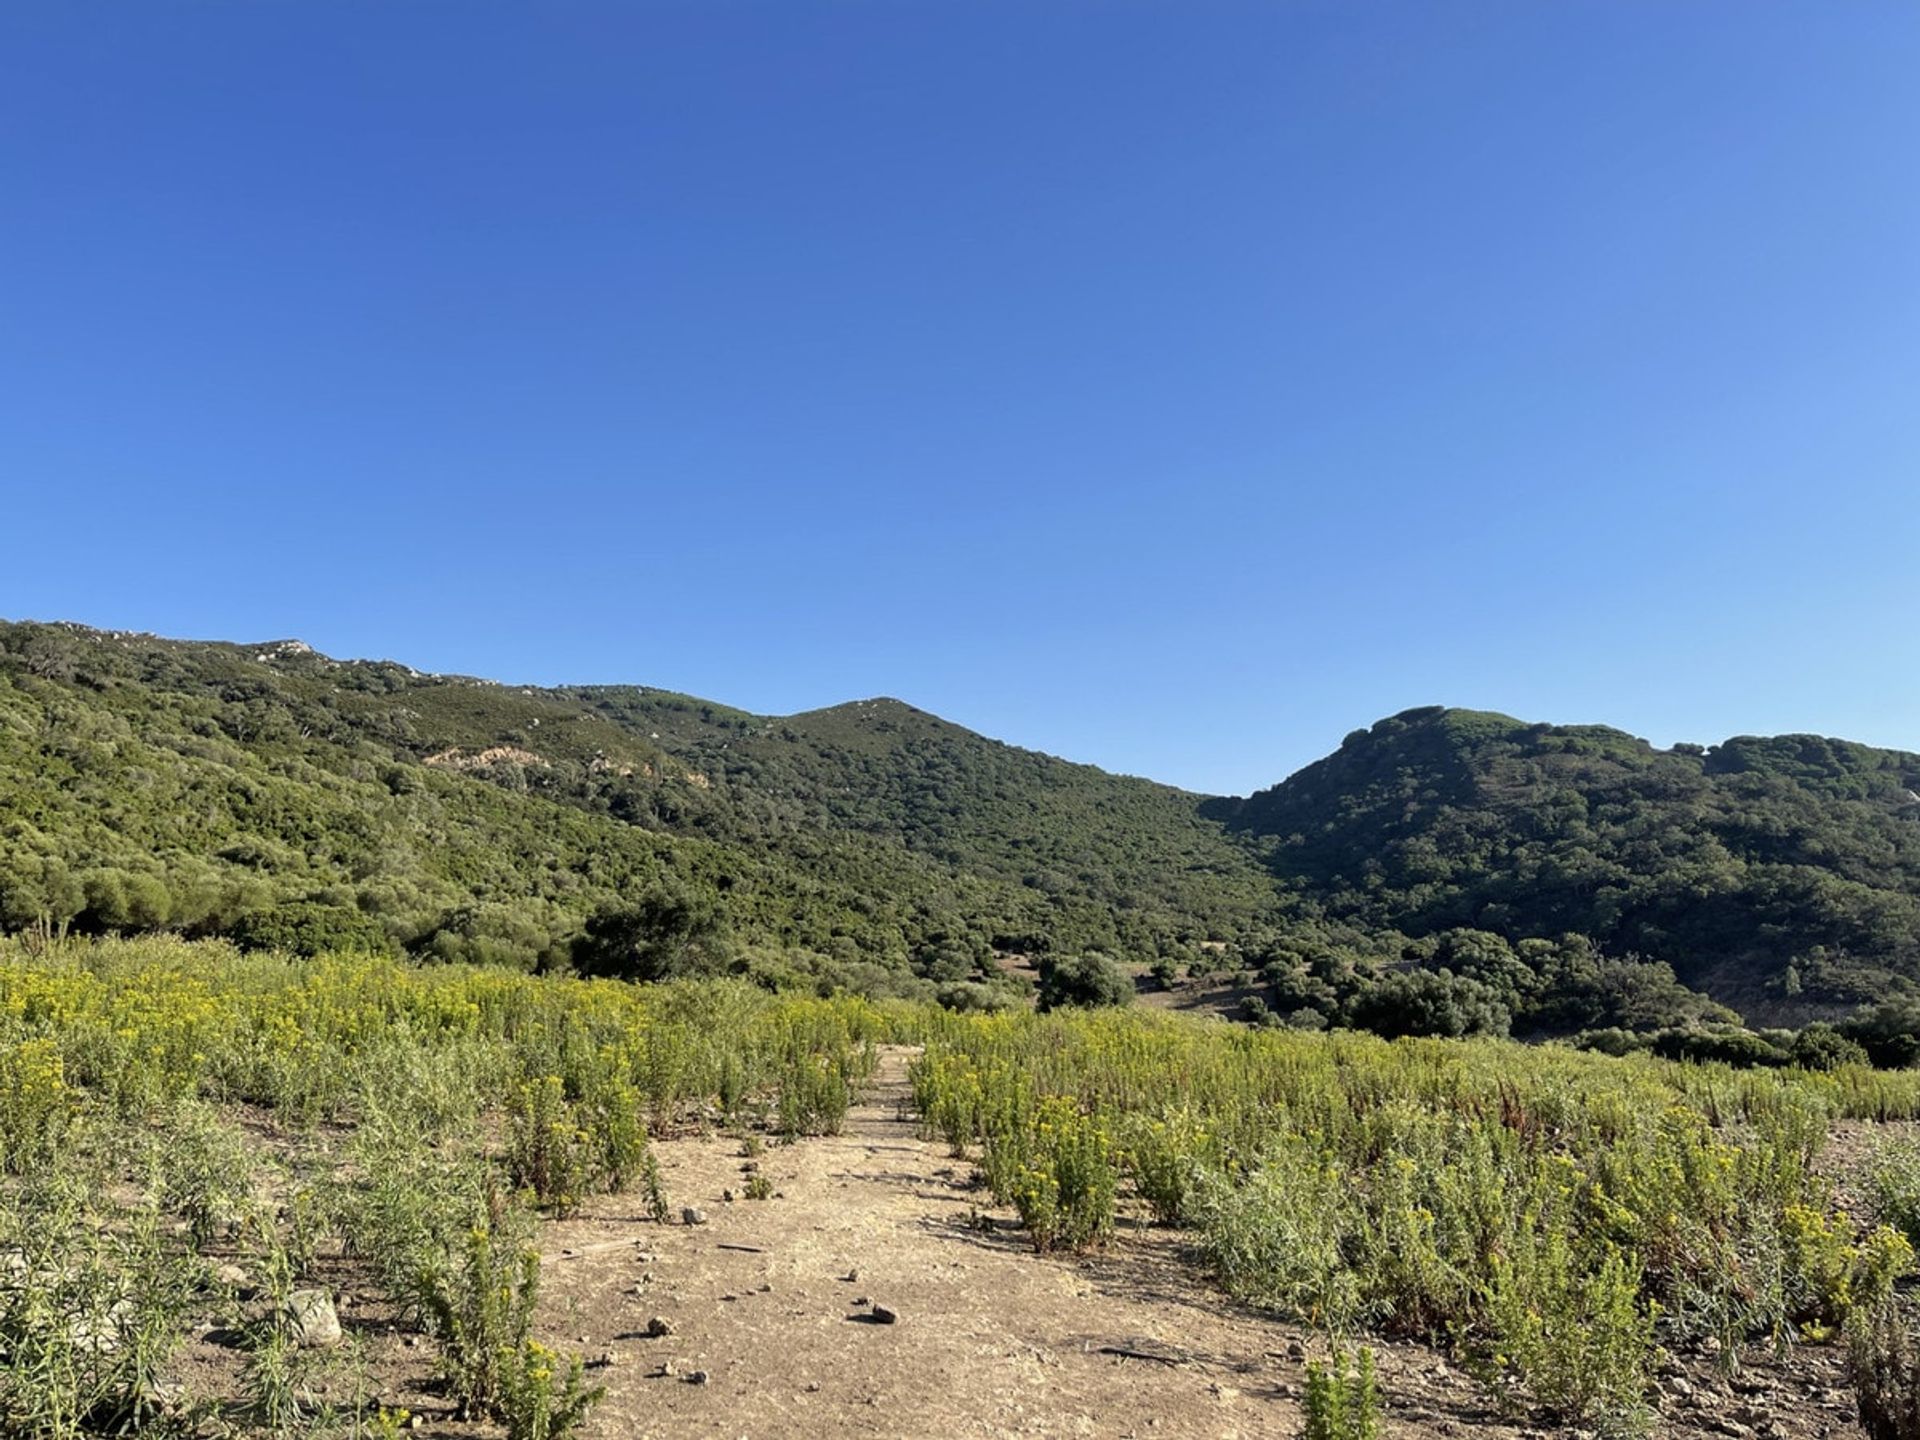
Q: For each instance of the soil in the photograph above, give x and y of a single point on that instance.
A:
(991, 1339)
(774, 1301)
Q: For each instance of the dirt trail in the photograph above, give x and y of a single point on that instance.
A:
(991, 1339)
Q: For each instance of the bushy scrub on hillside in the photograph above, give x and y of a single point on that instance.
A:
(289, 801)
(1083, 980)
(1785, 860)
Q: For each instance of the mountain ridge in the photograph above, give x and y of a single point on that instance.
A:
(277, 794)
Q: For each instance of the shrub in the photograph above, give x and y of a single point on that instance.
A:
(1572, 1338)
(972, 996)
(311, 927)
(269, 1383)
(1275, 1240)
(91, 1314)
(1893, 1180)
(1163, 1158)
(611, 1116)
(1889, 1032)
(1885, 1367)
(205, 1172)
(1342, 1399)
(547, 1151)
(36, 1104)
(1084, 980)
(481, 1307)
(666, 934)
(1431, 1002)
(815, 1095)
(1727, 1046)
(545, 1396)
(1252, 1010)
(1065, 1190)
(1821, 1047)
(409, 1209)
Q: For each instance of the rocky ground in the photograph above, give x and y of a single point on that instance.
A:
(877, 1292)
(776, 1303)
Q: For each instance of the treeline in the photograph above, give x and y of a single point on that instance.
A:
(1474, 983)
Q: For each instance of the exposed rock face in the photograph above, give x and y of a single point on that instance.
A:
(486, 759)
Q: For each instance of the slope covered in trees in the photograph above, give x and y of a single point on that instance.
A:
(1760, 869)
(1446, 871)
(283, 797)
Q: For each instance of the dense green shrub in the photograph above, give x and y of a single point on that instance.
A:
(1083, 980)
(665, 935)
(1431, 1002)
(307, 927)
(1726, 1046)
(1820, 1046)
(1889, 1032)
(977, 997)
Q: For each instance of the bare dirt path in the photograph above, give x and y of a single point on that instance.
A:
(772, 1299)
(991, 1339)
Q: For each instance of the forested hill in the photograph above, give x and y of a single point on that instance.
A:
(272, 793)
(1487, 867)
(1758, 868)
(882, 769)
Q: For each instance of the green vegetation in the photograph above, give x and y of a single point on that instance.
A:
(1768, 872)
(1343, 1398)
(193, 1136)
(222, 1136)
(1446, 873)
(1082, 980)
(1885, 1362)
(293, 802)
(1552, 1218)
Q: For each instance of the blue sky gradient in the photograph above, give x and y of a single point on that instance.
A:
(1174, 387)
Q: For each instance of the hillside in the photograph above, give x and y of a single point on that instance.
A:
(272, 793)
(882, 769)
(1763, 870)
(1530, 876)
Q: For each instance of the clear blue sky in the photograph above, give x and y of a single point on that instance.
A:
(1172, 386)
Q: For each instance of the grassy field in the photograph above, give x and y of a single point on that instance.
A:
(194, 1138)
